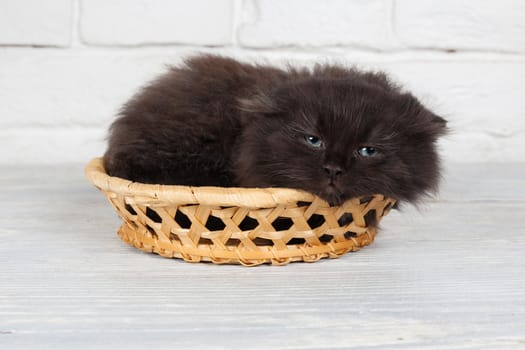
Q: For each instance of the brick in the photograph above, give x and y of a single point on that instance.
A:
(138, 22)
(36, 22)
(462, 24)
(72, 88)
(476, 147)
(51, 145)
(475, 95)
(271, 23)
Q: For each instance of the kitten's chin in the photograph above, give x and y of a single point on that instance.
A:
(332, 195)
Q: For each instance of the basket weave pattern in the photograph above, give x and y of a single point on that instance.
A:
(238, 225)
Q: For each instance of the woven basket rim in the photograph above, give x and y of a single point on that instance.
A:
(206, 195)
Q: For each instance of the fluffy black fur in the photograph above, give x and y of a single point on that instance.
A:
(216, 121)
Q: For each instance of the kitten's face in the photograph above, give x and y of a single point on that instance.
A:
(339, 140)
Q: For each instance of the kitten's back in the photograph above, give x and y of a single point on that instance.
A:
(181, 127)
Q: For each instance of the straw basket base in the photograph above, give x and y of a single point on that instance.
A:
(143, 240)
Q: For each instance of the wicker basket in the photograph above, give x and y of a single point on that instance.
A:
(237, 225)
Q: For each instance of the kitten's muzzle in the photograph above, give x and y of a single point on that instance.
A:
(331, 191)
(333, 171)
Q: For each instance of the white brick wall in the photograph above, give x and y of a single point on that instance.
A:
(277, 23)
(139, 22)
(35, 22)
(67, 66)
(462, 24)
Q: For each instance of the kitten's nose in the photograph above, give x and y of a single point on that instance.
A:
(333, 170)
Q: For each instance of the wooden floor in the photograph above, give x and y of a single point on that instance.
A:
(449, 275)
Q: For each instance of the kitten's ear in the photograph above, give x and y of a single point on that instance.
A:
(259, 103)
(439, 120)
(440, 124)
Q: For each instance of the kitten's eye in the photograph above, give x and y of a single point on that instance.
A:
(314, 141)
(367, 151)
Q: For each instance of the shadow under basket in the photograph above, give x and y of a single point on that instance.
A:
(248, 226)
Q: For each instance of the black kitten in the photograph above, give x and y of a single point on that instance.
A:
(332, 131)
